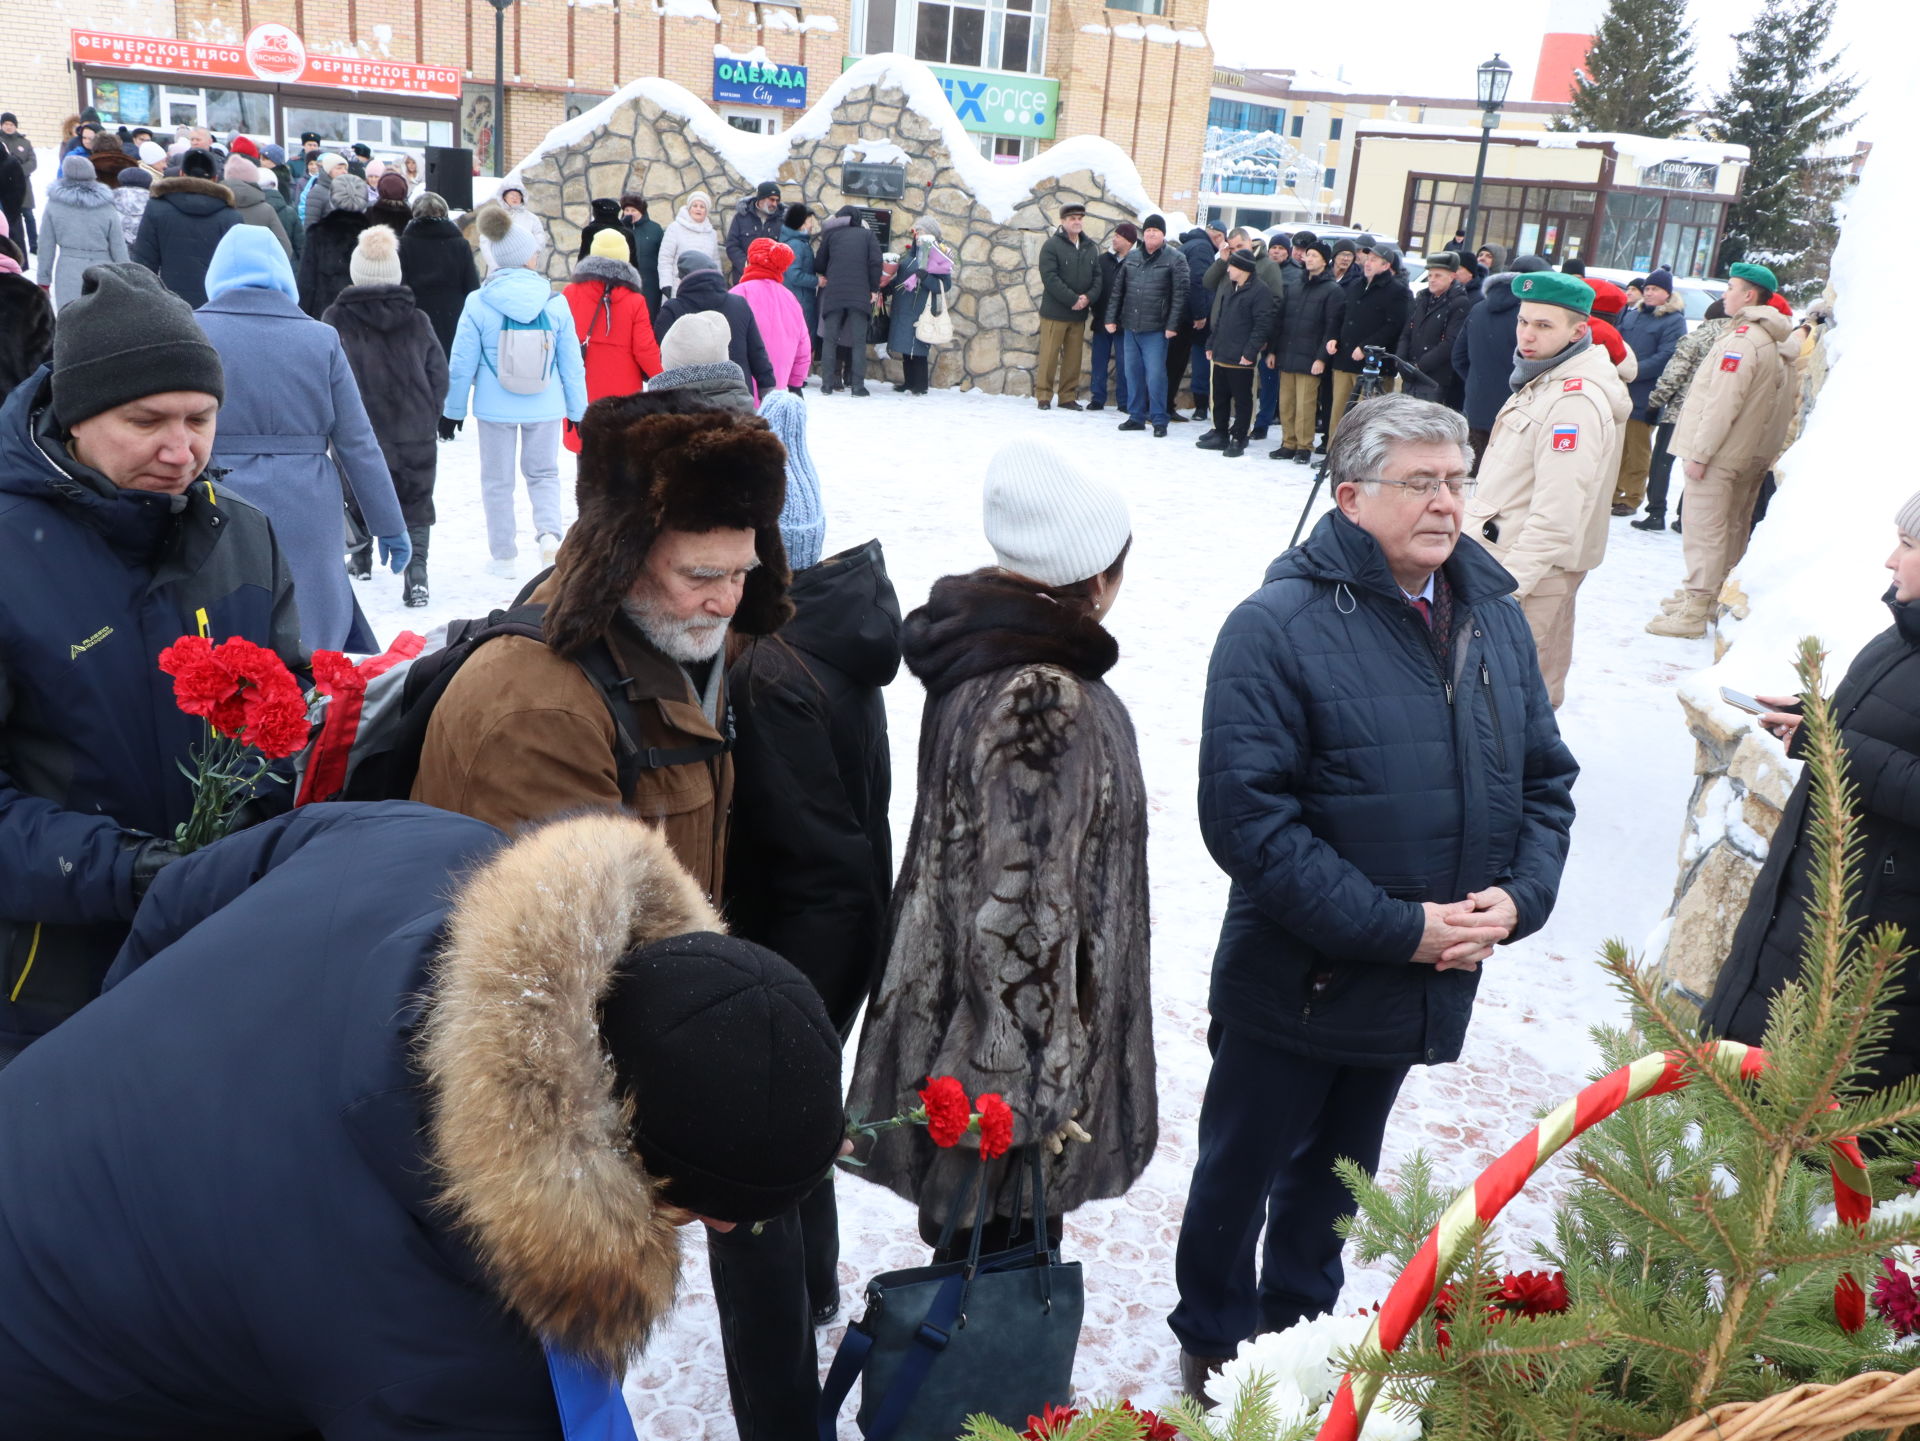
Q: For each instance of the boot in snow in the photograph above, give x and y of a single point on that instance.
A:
(414, 587)
(1689, 622)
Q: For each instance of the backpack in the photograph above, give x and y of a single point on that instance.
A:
(369, 746)
(527, 354)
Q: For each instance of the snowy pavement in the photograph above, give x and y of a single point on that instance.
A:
(908, 470)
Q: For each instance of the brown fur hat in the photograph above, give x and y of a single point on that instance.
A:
(650, 463)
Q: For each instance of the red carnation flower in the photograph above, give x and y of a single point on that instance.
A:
(201, 683)
(1155, 1428)
(1529, 1293)
(1914, 1179)
(334, 674)
(1056, 1418)
(996, 1127)
(276, 718)
(1895, 1299)
(948, 1112)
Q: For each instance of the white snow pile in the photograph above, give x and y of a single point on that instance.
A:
(1815, 564)
(875, 152)
(1000, 189)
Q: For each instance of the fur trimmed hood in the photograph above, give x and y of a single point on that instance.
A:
(612, 272)
(85, 193)
(973, 625)
(528, 1133)
(192, 185)
(667, 461)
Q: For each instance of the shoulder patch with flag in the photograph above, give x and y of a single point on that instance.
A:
(1742, 329)
(1566, 437)
(1730, 361)
(1575, 384)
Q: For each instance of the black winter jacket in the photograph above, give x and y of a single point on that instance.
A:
(94, 583)
(1241, 323)
(1376, 315)
(1150, 292)
(16, 192)
(1433, 321)
(26, 330)
(1345, 779)
(1312, 316)
(748, 226)
(606, 216)
(182, 226)
(810, 860)
(1483, 352)
(1200, 256)
(402, 374)
(436, 264)
(326, 266)
(1067, 272)
(707, 290)
(1877, 707)
(848, 254)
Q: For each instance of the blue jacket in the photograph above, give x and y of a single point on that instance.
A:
(1652, 334)
(1344, 780)
(802, 278)
(94, 583)
(218, 1187)
(1483, 351)
(1200, 258)
(519, 295)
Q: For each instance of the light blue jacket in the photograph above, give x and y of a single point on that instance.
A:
(519, 294)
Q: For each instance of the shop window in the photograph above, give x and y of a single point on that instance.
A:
(754, 122)
(985, 34)
(248, 111)
(124, 102)
(330, 125)
(1005, 149)
(1333, 130)
(1139, 7)
(1242, 115)
(1628, 232)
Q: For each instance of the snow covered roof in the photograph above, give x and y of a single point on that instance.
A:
(1643, 152)
(1000, 189)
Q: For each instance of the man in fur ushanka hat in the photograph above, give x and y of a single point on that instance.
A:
(678, 543)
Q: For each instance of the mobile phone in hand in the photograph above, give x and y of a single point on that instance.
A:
(1741, 701)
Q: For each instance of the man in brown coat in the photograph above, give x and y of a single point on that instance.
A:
(1735, 423)
(678, 543)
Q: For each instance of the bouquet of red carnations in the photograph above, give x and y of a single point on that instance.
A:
(948, 1115)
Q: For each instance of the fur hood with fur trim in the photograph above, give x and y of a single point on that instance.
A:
(607, 271)
(528, 1136)
(666, 461)
(177, 185)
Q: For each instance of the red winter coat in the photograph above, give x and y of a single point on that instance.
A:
(611, 318)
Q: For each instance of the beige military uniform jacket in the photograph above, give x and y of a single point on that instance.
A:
(1546, 481)
(1742, 397)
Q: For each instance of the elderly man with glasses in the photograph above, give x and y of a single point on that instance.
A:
(1383, 781)
(1547, 479)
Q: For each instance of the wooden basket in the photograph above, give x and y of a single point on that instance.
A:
(1873, 1401)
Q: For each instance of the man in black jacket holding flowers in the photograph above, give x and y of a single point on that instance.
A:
(115, 541)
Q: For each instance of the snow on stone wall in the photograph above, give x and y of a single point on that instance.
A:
(1814, 568)
(656, 138)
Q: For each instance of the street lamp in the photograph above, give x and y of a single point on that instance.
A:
(500, 85)
(1493, 79)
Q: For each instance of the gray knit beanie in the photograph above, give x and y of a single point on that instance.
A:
(1047, 520)
(692, 260)
(1908, 519)
(125, 337)
(348, 192)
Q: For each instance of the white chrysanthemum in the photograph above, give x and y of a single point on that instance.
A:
(1299, 1359)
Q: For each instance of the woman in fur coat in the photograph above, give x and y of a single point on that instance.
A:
(1018, 960)
(78, 228)
(26, 318)
(437, 265)
(326, 265)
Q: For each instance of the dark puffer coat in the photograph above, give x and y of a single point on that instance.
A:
(1241, 323)
(706, 290)
(1028, 848)
(436, 264)
(94, 583)
(810, 864)
(26, 330)
(1483, 351)
(1150, 290)
(1200, 256)
(1376, 315)
(748, 226)
(402, 374)
(1877, 707)
(1433, 322)
(15, 188)
(1345, 779)
(606, 216)
(326, 265)
(801, 277)
(1311, 317)
(1654, 334)
(848, 254)
(185, 219)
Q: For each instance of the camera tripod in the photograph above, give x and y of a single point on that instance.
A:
(1369, 383)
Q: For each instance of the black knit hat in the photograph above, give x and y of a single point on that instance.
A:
(767, 190)
(198, 164)
(797, 217)
(734, 1073)
(1243, 260)
(124, 337)
(1154, 222)
(1304, 239)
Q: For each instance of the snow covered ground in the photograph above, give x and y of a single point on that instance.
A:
(908, 471)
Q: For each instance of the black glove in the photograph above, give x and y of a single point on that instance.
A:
(449, 428)
(1653, 414)
(797, 389)
(151, 855)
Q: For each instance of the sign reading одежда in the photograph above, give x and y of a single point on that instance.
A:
(759, 82)
(270, 52)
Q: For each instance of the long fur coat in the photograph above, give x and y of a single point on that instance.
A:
(1019, 954)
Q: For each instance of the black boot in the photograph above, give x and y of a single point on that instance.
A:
(360, 562)
(414, 586)
(1650, 522)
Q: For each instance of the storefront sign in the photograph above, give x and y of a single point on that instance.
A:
(272, 53)
(997, 102)
(752, 82)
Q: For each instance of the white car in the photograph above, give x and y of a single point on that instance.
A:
(1694, 293)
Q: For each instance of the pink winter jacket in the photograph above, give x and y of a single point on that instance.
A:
(783, 328)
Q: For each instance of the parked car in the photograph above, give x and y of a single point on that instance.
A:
(1696, 294)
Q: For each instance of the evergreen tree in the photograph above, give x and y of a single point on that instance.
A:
(1638, 73)
(1785, 102)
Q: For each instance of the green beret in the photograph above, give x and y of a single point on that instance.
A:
(1550, 287)
(1755, 275)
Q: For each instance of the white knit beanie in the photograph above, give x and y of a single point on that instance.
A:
(700, 338)
(1908, 518)
(511, 245)
(376, 257)
(1048, 521)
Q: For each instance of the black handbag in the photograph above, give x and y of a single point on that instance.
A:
(992, 1334)
(879, 326)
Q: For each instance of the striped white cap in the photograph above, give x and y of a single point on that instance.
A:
(1047, 520)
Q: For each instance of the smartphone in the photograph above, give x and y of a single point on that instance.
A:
(1741, 701)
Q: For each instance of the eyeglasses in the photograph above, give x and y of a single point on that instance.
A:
(1424, 489)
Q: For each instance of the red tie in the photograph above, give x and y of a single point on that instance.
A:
(1425, 607)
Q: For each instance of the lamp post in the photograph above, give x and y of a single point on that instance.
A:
(1494, 77)
(500, 85)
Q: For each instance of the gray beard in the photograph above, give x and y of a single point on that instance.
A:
(689, 642)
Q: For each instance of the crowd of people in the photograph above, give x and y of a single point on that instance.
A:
(505, 1043)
